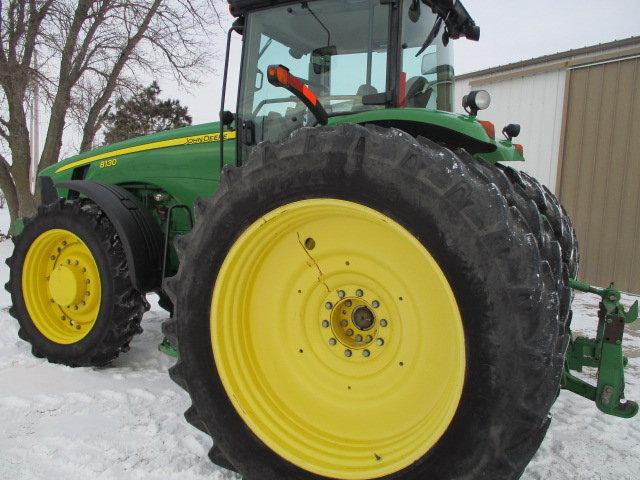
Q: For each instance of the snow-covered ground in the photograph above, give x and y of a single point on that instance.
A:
(125, 421)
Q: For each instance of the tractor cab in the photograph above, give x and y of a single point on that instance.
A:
(342, 57)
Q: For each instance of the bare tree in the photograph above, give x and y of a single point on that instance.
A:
(88, 49)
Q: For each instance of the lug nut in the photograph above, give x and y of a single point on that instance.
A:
(68, 262)
(332, 341)
(76, 262)
(325, 323)
(341, 293)
(380, 342)
(359, 293)
(375, 304)
(383, 323)
(63, 317)
(358, 338)
(87, 293)
(344, 323)
(349, 332)
(348, 353)
(366, 353)
(348, 303)
(369, 338)
(328, 305)
(53, 257)
(84, 270)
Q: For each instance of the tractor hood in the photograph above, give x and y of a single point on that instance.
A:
(192, 135)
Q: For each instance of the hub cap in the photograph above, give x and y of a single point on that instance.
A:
(61, 286)
(338, 339)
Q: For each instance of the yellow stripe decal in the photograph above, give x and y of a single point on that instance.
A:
(175, 142)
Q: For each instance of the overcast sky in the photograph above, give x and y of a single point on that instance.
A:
(512, 30)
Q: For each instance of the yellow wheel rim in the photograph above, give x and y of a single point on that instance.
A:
(61, 286)
(338, 339)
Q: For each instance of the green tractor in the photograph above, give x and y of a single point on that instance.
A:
(359, 286)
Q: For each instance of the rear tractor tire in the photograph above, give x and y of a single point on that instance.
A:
(358, 304)
(70, 286)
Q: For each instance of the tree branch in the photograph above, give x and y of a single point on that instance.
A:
(92, 124)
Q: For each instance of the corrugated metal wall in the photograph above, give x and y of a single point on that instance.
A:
(535, 102)
(599, 180)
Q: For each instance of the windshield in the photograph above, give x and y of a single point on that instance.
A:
(339, 49)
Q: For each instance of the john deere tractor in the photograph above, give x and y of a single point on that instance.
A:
(359, 286)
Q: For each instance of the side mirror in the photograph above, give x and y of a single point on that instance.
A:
(321, 59)
(429, 63)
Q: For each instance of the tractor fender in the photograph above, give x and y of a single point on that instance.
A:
(140, 234)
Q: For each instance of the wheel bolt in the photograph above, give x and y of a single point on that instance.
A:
(383, 323)
(87, 293)
(84, 270)
(328, 305)
(369, 338)
(77, 327)
(76, 262)
(349, 332)
(341, 293)
(375, 304)
(63, 317)
(53, 257)
(348, 353)
(344, 323)
(75, 307)
(358, 338)
(325, 323)
(68, 262)
(359, 293)
(332, 341)
(348, 303)
(366, 353)
(380, 342)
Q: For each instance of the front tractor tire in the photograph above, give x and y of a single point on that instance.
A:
(354, 303)
(70, 286)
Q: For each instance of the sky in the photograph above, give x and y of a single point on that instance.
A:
(512, 30)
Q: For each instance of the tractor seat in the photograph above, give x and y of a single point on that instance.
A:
(418, 93)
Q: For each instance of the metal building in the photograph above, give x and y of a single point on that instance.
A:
(580, 117)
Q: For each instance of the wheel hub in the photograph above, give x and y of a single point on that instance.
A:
(357, 322)
(61, 286)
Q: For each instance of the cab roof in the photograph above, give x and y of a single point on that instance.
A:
(240, 7)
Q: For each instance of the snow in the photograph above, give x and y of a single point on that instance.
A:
(125, 421)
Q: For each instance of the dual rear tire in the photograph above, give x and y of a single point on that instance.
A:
(293, 383)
